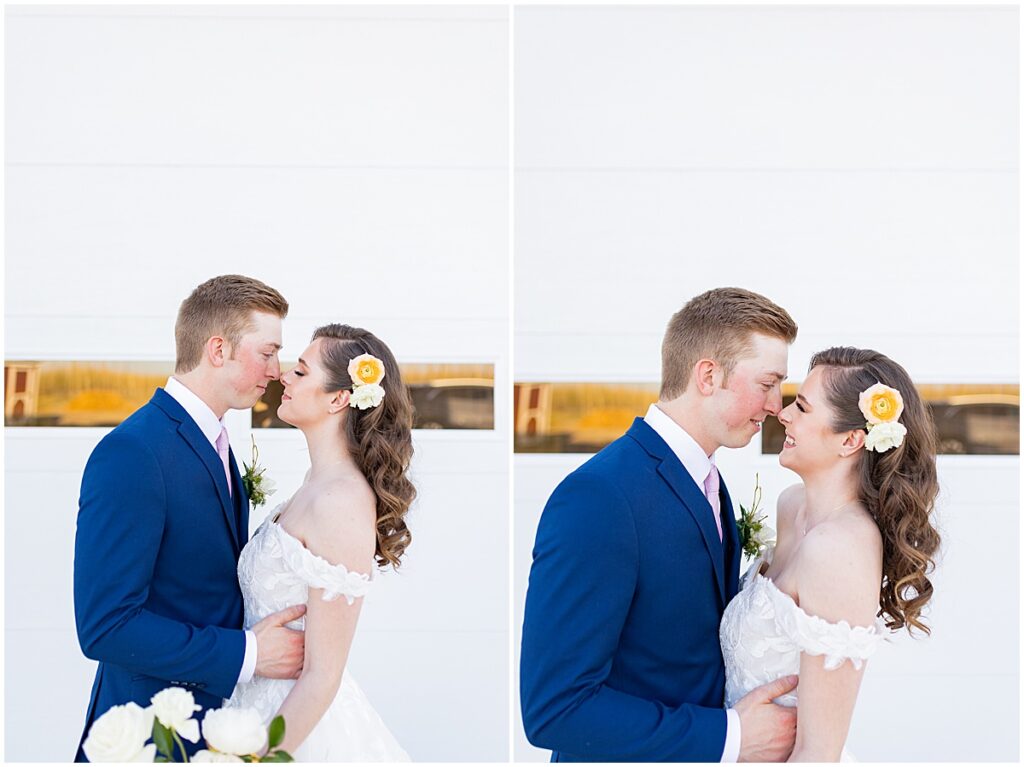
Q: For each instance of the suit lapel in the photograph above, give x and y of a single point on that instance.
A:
(243, 499)
(678, 479)
(206, 452)
(194, 437)
(732, 544)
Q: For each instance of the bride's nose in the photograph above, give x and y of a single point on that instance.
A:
(783, 415)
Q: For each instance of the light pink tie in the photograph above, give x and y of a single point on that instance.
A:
(711, 485)
(222, 451)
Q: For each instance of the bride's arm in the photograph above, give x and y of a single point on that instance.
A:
(341, 537)
(838, 579)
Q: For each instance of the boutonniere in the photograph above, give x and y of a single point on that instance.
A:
(257, 486)
(755, 535)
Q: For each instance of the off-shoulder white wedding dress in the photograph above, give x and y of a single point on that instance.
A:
(763, 632)
(275, 571)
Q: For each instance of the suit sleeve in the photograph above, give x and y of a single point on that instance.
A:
(121, 517)
(585, 570)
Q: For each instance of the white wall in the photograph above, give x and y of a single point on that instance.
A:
(356, 159)
(856, 165)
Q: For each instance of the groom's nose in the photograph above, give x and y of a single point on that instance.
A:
(783, 418)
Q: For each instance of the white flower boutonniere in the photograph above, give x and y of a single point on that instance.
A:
(755, 535)
(257, 486)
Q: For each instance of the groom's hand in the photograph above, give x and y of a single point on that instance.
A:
(280, 650)
(767, 730)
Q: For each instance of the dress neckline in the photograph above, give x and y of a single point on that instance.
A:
(878, 626)
(305, 549)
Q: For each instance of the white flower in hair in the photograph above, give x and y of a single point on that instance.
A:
(366, 396)
(883, 436)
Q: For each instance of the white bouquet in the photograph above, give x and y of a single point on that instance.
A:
(232, 734)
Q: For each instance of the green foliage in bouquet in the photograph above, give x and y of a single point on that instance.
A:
(275, 734)
(231, 734)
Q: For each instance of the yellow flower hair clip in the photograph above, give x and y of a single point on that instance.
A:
(366, 372)
(882, 406)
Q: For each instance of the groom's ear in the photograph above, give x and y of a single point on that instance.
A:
(216, 351)
(853, 442)
(704, 375)
(339, 401)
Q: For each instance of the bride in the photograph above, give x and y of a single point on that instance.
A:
(855, 544)
(319, 548)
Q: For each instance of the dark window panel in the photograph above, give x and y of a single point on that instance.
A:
(453, 396)
(445, 396)
(970, 419)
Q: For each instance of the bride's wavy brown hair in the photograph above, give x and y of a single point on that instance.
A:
(380, 438)
(898, 487)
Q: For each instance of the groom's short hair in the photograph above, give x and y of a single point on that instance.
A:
(222, 306)
(717, 325)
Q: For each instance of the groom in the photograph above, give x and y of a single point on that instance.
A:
(163, 517)
(637, 556)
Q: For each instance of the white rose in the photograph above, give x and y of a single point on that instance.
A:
(237, 731)
(268, 486)
(174, 708)
(120, 735)
(214, 756)
(764, 537)
(367, 396)
(883, 436)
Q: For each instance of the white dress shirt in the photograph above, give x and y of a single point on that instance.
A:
(210, 426)
(697, 465)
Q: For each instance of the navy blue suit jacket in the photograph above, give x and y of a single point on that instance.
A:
(620, 656)
(157, 600)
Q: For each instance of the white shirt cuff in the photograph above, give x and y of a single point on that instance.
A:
(731, 752)
(249, 662)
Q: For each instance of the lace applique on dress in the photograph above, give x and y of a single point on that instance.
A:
(318, 573)
(838, 642)
(764, 631)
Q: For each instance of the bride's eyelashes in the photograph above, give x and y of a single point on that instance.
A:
(800, 407)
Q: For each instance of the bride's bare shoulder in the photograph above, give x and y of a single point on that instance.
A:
(838, 569)
(340, 523)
